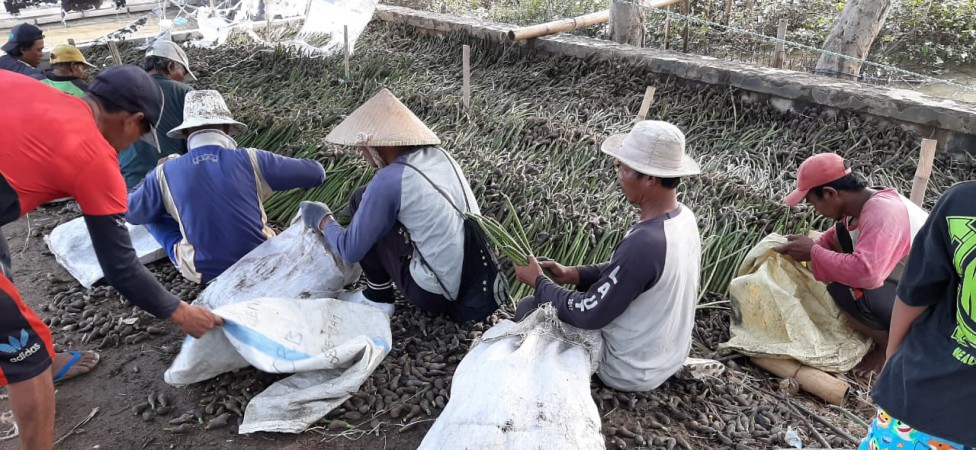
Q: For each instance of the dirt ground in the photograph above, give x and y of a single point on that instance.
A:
(738, 410)
(126, 374)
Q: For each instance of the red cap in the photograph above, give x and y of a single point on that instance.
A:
(817, 170)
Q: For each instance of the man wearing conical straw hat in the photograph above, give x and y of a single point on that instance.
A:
(206, 207)
(406, 230)
(642, 300)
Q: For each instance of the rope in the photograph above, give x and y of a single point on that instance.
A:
(754, 34)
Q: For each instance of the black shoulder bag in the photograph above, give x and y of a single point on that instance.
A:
(483, 286)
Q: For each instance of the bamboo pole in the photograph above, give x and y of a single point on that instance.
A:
(646, 104)
(923, 171)
(728, 12)
(466, 66)
(114, 50)
(779, 58)
(817, 382)
(685, 10)
(667, 30)
(563, 25)
(71, 41)
(345, 37)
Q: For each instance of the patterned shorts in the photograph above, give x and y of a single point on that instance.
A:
(888, 433)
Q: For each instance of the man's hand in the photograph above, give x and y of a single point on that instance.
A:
(798, 247)
(195, 320)
(561, 274)
(314, 214)
(529, 273)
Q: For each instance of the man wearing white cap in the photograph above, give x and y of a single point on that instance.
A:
(643, 300)
(169, 67)
(406, 230)
(206, 207)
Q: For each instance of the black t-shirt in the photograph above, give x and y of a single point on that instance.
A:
(930, 382)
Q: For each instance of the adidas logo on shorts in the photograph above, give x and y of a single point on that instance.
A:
(16, 346)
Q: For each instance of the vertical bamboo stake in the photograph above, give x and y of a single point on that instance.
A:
(749, 14)
(114, 50)
(923, 171)
(345, 36)
(780, 56)
(685, 9)
(71, 41)
(466, 67)
(667, 30)
(646, 104)
(728, 12)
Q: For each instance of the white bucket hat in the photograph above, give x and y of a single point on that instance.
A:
(653, 148)
(170, 50)
(383, 121)
(203, 108)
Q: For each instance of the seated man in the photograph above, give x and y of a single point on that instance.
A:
(206, 207)
(643, 300)
(863, 256)
(68, 68)
(406, 229)
(24, 51)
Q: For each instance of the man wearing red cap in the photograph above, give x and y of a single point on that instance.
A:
(863, 256)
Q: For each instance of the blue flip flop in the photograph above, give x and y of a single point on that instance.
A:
(75, 356)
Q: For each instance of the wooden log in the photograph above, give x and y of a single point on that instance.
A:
(345, 48)
(466, 67)
(646, 104)
(780, 56)
(815, 381)
(563, 25)
(627, 23)
(923, 171)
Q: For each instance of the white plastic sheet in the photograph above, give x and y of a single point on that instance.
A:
(279, 319)
(327, 17)
(72, 248)
(293, 264)
(330, 345)
(524, 385)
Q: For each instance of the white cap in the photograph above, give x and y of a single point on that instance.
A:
(205, 108)
(170, 50)
(653, 148)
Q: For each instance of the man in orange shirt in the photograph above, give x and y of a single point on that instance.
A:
(57, 146)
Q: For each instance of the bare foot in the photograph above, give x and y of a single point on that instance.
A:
(83, 365)
(872, 362)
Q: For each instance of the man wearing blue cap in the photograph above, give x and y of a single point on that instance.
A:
(55, 146)
(24, 49)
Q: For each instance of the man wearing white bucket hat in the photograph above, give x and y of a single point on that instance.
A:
(643, 300)
(406, 230)
(168, 65)
(206, 207)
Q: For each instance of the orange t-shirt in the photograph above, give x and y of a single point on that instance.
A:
(50, 148)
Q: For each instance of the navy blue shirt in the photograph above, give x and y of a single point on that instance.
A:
(930, 381)
(12, 64)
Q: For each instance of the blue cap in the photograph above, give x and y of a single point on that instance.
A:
(131, 89)
(21, 35)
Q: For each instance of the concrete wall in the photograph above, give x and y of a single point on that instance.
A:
(952, 123)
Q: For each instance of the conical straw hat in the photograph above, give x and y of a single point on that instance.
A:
(382, 122)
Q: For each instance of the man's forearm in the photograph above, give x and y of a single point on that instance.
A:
(902, 318)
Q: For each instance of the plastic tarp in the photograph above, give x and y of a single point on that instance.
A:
(524, 385)
(279, 318)
(781, 311)
(72, 248)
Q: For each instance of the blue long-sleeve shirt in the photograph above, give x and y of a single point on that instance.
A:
(218, 198)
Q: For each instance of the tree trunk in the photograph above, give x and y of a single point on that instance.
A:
(852, 35)
(627, 23)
